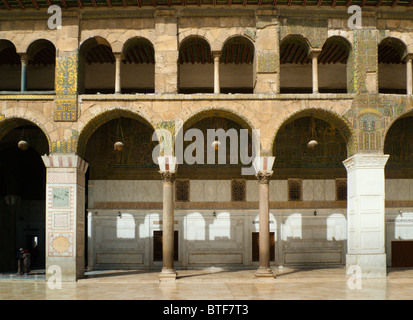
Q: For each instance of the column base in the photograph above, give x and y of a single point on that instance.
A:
(167, 275)
(264, 274)
(372, 266)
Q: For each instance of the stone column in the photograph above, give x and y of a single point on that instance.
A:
(366, 214)
(65, 215)
(267, 53)
(217, 87)
(264, 271)
(23, 79)
(166, 51)
(168, 271)
(314, 60)
(409, 76)
(118, 57)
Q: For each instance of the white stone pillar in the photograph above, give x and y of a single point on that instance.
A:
(409, 76)
(217, 87)
(118, 57)
(314, 60)
(65, 215)
(366, 214)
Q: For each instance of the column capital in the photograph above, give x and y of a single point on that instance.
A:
(264, 177)
(407, 57)
(23, 58)
(365, 161)
(118, 55)
(65, 161)
(216, 54)
(168, 176)
(314, 53)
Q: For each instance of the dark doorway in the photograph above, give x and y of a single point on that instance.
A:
(256, 246)
(402, 254)
(157, 246)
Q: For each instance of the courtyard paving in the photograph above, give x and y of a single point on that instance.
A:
(211, 284)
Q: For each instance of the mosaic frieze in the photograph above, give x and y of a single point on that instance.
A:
(65, 146)
(371, 115)
(66, 88)
(365, 59)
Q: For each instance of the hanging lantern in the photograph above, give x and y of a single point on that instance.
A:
(118, 146)
(23, 145)
(216, 144)
(313, 142)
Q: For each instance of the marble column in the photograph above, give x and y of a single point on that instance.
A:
(168, 272)
(264, 271)
(314, 58)
(217, 55)
(65, 215)
(366, 214)
(118, 57)
(409, 76)
(23, 79)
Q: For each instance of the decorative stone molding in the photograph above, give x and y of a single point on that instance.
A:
(65, 161)
(365, 161)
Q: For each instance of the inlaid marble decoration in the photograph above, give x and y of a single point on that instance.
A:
(60, 244)
(61, 220)
(61, 197)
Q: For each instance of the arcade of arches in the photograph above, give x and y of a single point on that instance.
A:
(80, 109)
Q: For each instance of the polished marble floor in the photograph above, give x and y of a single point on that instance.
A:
(211, 284)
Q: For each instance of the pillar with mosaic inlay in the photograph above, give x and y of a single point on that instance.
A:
(65, 220)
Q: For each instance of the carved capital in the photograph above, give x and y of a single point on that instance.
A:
(363, 161)
(168, 177)
(264, 177)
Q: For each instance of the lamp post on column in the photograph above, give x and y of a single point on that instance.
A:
(263, 170)
(168, 166)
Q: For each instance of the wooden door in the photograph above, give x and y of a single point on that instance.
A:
(402, 254)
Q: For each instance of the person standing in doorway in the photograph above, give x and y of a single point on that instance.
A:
(20, 259)
(26, 261)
